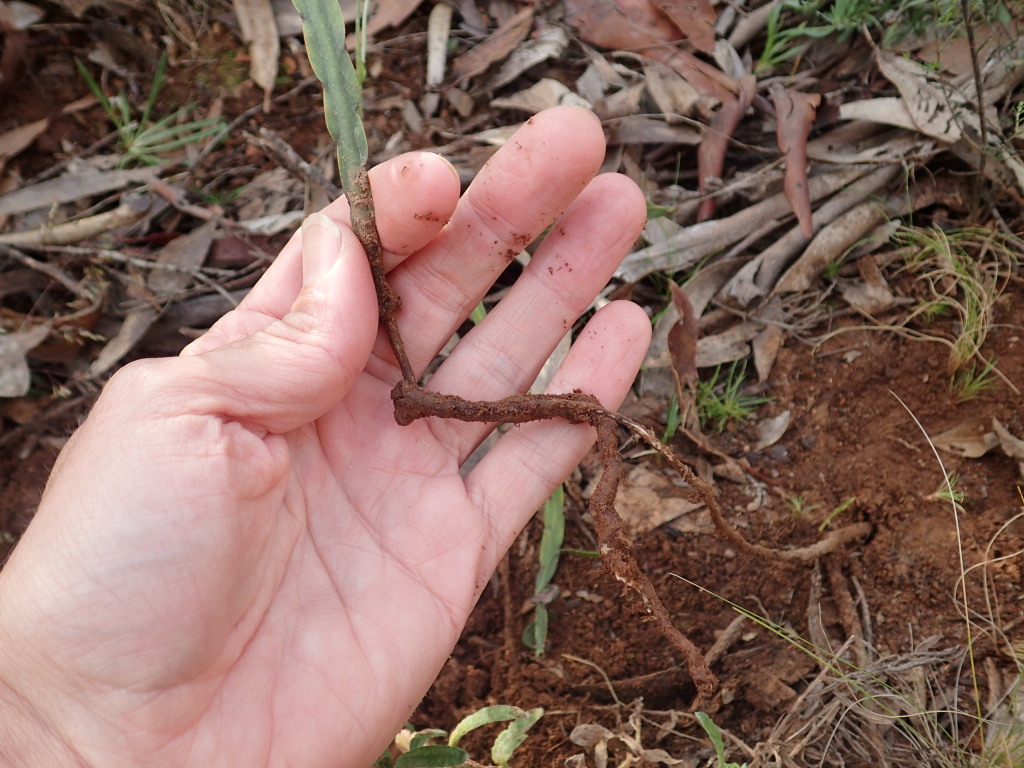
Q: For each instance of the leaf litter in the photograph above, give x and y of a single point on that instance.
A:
(665, 77)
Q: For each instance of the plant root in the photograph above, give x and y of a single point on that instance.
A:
(412, 402)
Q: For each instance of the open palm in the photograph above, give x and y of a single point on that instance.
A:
(241, 559)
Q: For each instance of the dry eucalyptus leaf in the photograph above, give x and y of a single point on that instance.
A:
(682, 337)
(550, 43)
(186, 251)
(771, 430)
(732, 344)
(695, 18)
(259, 31)
(971, 439)
(134, 327)
(17, 139)
(73, 186)
(766, 347)
(831, 243)
(648, 499)
(495, 48)
(15, 376)
(674, 96)
(938, 109)
(794, 116)
(543, 94)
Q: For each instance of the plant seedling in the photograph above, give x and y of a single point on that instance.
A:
(422, 753)
(836, 512)
(799, 508)
(719, 399)
(144, 140)
(968, 383)
(536, 633)
(715, 734)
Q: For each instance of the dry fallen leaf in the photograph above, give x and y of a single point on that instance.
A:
(695, 18)
(971, 439)
(259, 31)
(682, 338)
(15, 376)
(711, 155)
(771, 430)
(498, 45)
(18, 139)
(794, 116)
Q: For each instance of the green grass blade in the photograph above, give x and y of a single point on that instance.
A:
(324, 29)
(97, 92)
(552, 537)
(154, 89)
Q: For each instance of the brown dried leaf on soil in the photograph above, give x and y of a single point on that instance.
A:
(695, 19)
(794, 116)
(974, 438)
(495, 48)
(259, 30)
(15, 377)
(18, 139)
(682, 338)
(711, 154)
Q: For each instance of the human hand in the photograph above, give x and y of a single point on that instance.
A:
(241, 559)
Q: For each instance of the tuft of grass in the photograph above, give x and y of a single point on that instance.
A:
(142, 138)
(798, 507)
(949, 491)
(535, 636)
(793, 23)
(969, 382)
(965, 271)
(720, 400)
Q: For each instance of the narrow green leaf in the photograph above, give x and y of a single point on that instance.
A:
(493, 714)
(535, 636)
(154, 89)
(508, 741)
(423, 738)
(323, 26)
(713, 733)
(551, 539)
(434, 756)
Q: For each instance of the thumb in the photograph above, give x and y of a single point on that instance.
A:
(297, 368)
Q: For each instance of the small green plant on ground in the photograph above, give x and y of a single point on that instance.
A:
(887, 21)
(949, 491)
(968, 383)
(536, 633)
(418, 750)
(143, 139)
(798, 507)
(715, 734)
(836, 512)
(673, 420)
(965, 271)
(720, 400)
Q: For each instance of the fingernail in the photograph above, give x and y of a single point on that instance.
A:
(321, 244)
(454, 170)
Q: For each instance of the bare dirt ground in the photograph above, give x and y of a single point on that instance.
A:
(862, 388)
